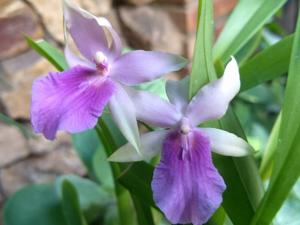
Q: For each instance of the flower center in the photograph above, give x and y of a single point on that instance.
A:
(185, 127)
(101, 63)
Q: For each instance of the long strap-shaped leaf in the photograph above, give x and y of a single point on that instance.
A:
(268, 155)
(247, 18)
(49, 52)
(286, 166)
(71, 206)
(267, 65)
(202, 69)
(241, 175)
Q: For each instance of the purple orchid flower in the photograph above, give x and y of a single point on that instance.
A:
(186, 186)
(73, 100)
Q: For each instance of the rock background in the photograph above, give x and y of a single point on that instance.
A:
(167, 25)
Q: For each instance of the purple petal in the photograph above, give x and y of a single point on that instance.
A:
(122, 110)
(71, 100)
(178, 93)
(153, 110)
(212, 101)
(87, 33)
(140, 66)
(186, 185)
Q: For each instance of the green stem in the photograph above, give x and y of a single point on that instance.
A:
(123, 197)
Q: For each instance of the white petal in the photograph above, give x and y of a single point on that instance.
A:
(212, 101)
(225, 143)
(178, 92)
(123, 113)
(154, 110)
(151, 145)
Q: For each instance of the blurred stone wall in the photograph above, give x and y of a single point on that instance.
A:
(167, 25)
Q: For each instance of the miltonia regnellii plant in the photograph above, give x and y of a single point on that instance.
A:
(179, 176)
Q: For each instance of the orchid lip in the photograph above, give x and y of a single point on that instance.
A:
(101, 62)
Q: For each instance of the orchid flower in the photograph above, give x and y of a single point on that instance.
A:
(74, 99)
(186, 186)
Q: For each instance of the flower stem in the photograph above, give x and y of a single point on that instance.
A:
(122, 196)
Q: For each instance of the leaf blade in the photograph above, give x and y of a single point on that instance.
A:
(202, 68)
(286, 166)
(245, 21)
(267, 65)
(55, 57)
(70, 205)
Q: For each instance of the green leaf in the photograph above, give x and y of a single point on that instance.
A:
(157, 87)
(267, 65)
(137, 179)
(55, 57)
(102, 169)
(35, 204)
(260, 94)
(289, 213)
(245, 21)
(286, 169)
(246, 51)
(86, 143)
(268, 156)
(93, 199)
(143, 211)
(202, 68)
(70, 205)
(218, 218)
(123, 198)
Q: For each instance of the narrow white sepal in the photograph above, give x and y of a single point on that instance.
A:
(123, 113)
(225, 143)
(151, 145)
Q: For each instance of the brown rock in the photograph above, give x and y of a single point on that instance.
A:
(13, 145)
(17, 19)
(175, 2)
(17, 101)
(184, 17)
(41, 168)
(149, 27)
(189, 44)
(139, 2)
(13, 66)
(4, 85)
(223, 7)
(112, 16)
(40, 145)
(51, 13)
(3, 3)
